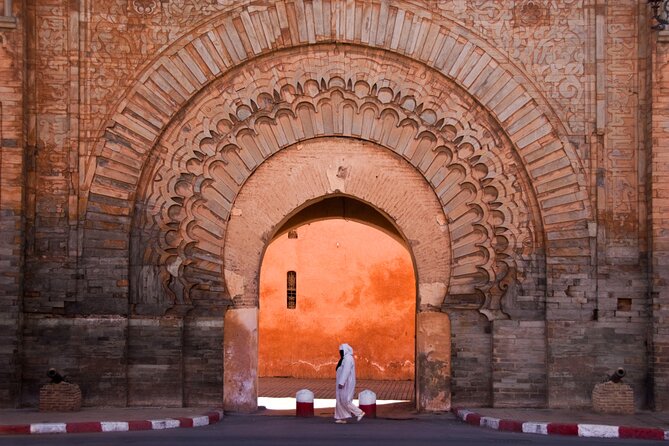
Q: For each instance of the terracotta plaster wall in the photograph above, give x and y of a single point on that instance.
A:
(356, 285)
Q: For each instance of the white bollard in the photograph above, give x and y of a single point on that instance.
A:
(304, 400)
(367, 403)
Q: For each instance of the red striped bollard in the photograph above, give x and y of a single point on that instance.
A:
(367, 402)
(305, 403)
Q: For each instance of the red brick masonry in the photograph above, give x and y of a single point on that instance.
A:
(613, 398)
(61, 397)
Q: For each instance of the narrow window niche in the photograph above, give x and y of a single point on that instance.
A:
(291, 290)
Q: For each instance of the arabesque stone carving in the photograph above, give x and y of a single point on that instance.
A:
(216, 145)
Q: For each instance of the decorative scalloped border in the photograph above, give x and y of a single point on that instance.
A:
(425, 140)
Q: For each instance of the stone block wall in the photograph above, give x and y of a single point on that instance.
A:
(659, 220)
(12, 165)
(203, 361)
(118, 361)
(471, 359)
(519, 364)
(155, 362)
(174, 361)
(594, 351)
(65, 65)
(52, 104)
(90, 351)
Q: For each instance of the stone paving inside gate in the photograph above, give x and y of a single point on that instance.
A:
(325, 388)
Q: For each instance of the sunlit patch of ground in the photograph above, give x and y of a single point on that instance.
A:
(319, 403)
(324, 407)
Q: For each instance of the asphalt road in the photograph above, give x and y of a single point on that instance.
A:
(288, 431)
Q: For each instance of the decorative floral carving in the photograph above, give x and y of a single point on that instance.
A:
(531, 13)
(553, 56)
(145, 7)
(119, 43)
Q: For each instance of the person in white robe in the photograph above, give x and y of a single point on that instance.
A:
(344, 407)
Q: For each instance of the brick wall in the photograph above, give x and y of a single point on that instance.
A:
(90, 351)
(203, 361)
(12, 165)
(588, 279)
(175, 361)
(155, 362)
(584, 353)
(471, 359)
(659, 165)
(51, 177)
(61, 397)
(519, 364)
(613, 398)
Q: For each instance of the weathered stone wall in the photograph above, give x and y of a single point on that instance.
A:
(471, 359)
(124, 218)
(12, 184)
(659, 219)
(155, 362)
(519, 364)
(203, 360)
(175, 361)
(52, 91)
(594, 351)
(90, 351)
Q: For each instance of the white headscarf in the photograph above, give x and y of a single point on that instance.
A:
(347, 349)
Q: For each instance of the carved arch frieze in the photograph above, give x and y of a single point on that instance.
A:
(421, 39)
(207, 155)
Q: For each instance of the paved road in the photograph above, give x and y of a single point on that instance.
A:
(289, 431)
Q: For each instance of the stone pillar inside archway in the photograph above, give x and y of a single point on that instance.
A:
(240, 347)
(433, 358)
(293, 179)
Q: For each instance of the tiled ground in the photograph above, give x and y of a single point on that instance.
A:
(325, 388)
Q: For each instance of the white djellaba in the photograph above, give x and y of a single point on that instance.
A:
(344, 407)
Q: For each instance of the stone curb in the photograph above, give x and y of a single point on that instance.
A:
(111, 426)
(581, 430)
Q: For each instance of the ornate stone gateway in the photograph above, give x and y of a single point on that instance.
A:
(193, 220)
(477, 241)
(441, 137)
(184, 135)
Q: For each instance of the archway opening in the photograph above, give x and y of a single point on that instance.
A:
(297, 178)
(337, 271)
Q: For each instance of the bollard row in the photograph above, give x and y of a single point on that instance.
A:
(304, 403)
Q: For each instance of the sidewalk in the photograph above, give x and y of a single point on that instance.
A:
(106, 419)
(642, 425)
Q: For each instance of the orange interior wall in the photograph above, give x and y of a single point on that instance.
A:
(355, 284)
